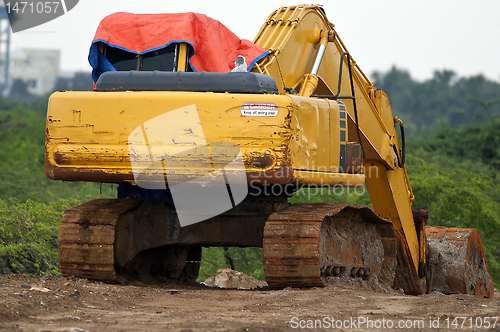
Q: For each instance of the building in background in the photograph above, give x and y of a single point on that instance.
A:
(38, 68)
(28, 73)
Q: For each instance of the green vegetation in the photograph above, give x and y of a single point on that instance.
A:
(475, 147)
(28, 236)
(460, 198)
(247, 260)
(445, 97)
(455, 176)
(22, 161)
(453, 165)
(31, 205)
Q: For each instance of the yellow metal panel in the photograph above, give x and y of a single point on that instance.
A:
(182, 57)
(295, 44)
(316, 141)
(88, 135)
(88, 132)
(326, 179)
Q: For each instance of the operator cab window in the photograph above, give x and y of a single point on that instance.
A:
(161, 60)
(121, 60)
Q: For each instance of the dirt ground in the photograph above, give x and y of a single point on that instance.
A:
(78, 305)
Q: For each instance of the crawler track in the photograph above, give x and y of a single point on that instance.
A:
(87, 237)
(90, 247)
(306, 243)
(123, 240)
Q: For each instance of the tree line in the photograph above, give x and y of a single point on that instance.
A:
(445, 99)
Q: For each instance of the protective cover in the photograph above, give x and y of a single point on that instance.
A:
(215, 46)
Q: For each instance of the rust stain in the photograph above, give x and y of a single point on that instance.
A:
(353, 159)
(51, 120)
(77, 116)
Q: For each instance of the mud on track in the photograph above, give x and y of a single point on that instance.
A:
(62, 304)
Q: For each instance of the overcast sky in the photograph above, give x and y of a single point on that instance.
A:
(420, 35)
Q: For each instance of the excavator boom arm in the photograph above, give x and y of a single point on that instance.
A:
(305, 32)
(309, 58)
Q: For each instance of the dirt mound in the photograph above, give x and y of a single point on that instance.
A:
(231, 279)
(360, 284)
(228, 278)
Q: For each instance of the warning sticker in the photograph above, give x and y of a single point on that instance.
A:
(259, 109)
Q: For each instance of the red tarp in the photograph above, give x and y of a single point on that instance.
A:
(215, 46)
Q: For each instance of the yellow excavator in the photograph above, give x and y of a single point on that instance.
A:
(207, 155)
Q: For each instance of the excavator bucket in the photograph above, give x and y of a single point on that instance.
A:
(457, 262)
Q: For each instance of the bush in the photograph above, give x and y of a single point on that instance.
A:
(28, 236)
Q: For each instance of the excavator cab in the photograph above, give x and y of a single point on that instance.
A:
(173, 57)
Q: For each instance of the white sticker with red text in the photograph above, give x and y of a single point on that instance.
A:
(259, 109)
